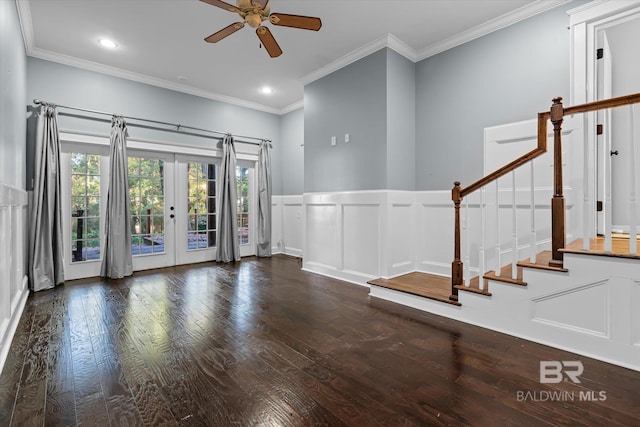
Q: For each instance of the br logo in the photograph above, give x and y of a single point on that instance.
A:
(553, 371)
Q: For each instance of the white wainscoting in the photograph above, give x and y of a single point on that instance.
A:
(359, 236)
(13, 281)
(362, 235)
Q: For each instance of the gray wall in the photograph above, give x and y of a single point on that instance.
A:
(506, 76)
(351, 100)
(401, 122)
(291, 140)
(71, 86)
(13, 77)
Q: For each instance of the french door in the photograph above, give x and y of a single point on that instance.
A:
(152, 201)
(197, 203)
(173, 208)
(245, 178)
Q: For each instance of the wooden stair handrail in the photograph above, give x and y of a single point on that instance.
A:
(509, 167)
(556, 114)
(605, 103)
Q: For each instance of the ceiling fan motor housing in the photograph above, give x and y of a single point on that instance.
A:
(253, 12)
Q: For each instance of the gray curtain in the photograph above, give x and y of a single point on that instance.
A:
(264, 200)
(227, 245)
(46, 267)
(117, 261)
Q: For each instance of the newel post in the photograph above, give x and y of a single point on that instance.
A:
(456, 265)
(557, 203)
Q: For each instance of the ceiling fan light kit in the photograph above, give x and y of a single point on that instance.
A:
(253, 14)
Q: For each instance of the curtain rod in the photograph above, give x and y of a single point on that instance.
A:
(177, 126)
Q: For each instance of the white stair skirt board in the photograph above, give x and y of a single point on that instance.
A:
(13, 281)
(588, 310)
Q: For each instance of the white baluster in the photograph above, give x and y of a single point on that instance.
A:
(514, 227)
(633, 204)
(608, 217)
(481, 255)
(532, 233)
(498, 255)
(467, 244)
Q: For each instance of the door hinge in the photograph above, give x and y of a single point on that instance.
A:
(599, 130)
(600, 53)
(599, 206)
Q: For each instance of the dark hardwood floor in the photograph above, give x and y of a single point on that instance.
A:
(263, 343)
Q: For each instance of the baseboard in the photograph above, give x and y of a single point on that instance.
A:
(345, 276)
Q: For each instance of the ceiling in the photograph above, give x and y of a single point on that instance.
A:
(161, 41)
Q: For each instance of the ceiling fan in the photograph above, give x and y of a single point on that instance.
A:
(253, 13)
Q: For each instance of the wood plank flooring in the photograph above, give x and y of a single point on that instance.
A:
(263, 343)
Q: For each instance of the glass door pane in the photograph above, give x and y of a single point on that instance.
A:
(201, 232)
(84, 171)
(196, 209)
(85, 207)
(245, 208)
(242, 178)
(151, 201)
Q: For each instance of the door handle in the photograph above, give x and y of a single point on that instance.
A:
(172, 216)
(614, 153)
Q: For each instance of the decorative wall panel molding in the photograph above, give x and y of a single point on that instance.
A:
(13, 250)
(582, 309)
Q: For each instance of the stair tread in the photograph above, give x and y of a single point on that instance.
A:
(474, 286)
(425, 285)
(619, 248)
(505, 276)
(542, 262)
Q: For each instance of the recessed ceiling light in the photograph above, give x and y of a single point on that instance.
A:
(107, 43)
(266, 90)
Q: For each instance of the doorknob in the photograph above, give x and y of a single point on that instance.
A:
(614, 153)
(172, 216)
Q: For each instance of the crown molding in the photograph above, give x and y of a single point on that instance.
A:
(387, 41)
(292, 107)
(510, 18)
(24, 16)
(392, 42)
(142, 78)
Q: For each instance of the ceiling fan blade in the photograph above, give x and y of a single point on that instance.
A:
(223, 5)
(296, 21)
(268, 42)
(225, 32)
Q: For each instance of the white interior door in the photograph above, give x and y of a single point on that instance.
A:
(618, 73)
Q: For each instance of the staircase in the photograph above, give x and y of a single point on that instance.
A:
(583, 296)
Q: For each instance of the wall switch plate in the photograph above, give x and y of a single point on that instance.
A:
(346, 137)
(333, 140)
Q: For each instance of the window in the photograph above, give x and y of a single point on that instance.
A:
(146, 194)
(201, 231)
(242, 178)
(85, 207)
